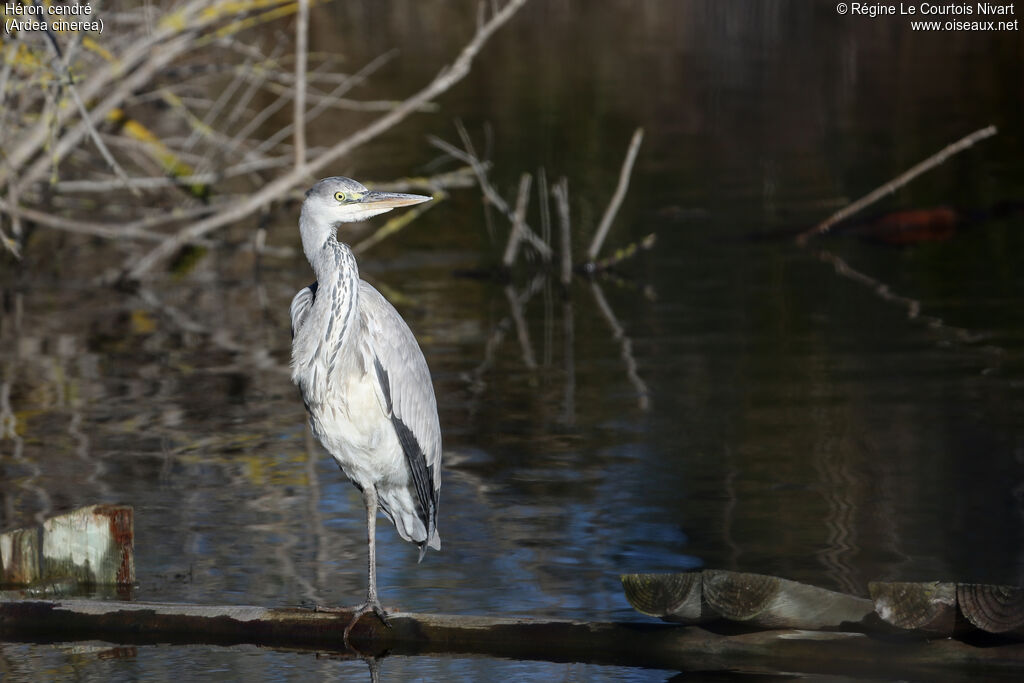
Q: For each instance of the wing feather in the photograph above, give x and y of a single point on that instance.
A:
(406, 392)
(302, 302)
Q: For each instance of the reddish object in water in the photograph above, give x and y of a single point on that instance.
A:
(904, 228)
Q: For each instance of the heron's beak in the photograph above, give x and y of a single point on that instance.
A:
(391, 200)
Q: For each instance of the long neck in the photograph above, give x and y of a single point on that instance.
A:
(316, 238)
(323, 250)
(337, 276)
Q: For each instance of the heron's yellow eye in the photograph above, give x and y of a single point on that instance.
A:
(340, 196)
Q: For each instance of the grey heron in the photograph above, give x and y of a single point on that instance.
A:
(363, 378)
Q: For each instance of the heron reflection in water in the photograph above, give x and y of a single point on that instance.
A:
(363, 378)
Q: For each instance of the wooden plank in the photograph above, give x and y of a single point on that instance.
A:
(92, 545)
(684, 648)
(994, 609)
(928, 608)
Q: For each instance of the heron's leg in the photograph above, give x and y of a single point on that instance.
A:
(372, 604)
(370, 497)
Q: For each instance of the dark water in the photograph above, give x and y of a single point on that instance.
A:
(836, 414)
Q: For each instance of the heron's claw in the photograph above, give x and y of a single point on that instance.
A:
(369, 606)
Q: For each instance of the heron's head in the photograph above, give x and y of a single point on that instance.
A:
(343, 200)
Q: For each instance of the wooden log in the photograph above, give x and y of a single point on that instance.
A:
(670, 597)
(684, 648)
(994, 609)
(752, 599)
(772, 602)
(926, 608)
(91, 545)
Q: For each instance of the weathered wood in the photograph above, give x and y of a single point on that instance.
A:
(994, 609)
(927, 608)
(671, 597)
(91, 545)
(19, 556)
(686, 648)
(771, 602)
(754, 599)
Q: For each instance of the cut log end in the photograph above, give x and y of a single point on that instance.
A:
(929, 608)
(994, 609)
(673, 597)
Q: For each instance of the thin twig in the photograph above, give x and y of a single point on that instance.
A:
(897, 182)
(301, 38)
(561, 193)
(518, 219)
(148, 51)
(325, 102)
(10, 50)
(623, 254)
(545, 205)
(617, 197)
(445, 79)
(226, 95)
(68, 84)
(490, 194)
(459, 178)
(158, 182)
(348, 104)
(255, 122)
(134, 230)
(71, 138)
(10, 245)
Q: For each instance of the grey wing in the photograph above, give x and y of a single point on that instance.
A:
(301, 303)
(407, 394)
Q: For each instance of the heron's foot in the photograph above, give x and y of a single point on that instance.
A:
(369, 606)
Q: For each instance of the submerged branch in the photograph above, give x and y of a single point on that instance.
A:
(561, 194)
(515, 236)
(897, 182)
(490, 193)
(617, 197)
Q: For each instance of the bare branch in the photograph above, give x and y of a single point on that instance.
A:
(897, 182)
(301, 37)
(518, 220)
(622, 254)
(68, 84)
(72, 137)
(142, 51)
(491, 194)
(277, 188)
(134, 230)
(561, 193)
(328, 100)
(618, 196)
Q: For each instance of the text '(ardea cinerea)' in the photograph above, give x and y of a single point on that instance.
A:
(363, 378)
